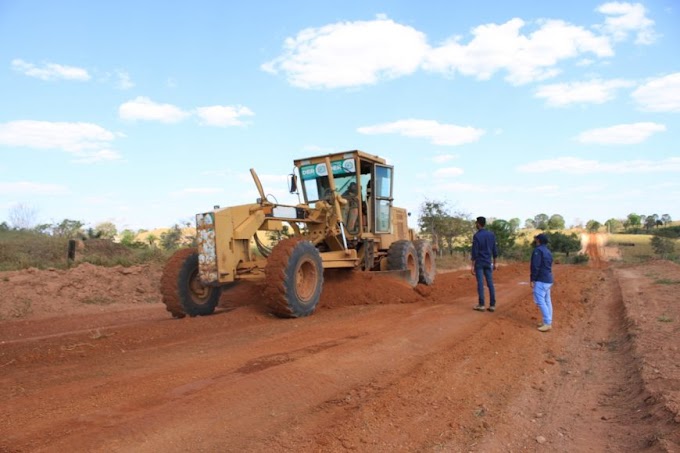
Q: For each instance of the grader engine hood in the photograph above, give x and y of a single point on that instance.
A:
(207, 253)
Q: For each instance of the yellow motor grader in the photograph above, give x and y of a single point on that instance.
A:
(346, 221)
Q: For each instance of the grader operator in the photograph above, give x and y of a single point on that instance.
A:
(346, 220)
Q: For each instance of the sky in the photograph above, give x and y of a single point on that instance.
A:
(146, 113)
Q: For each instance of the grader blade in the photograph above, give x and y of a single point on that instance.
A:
(405, 275)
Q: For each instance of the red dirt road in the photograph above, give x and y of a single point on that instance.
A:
(378, 367)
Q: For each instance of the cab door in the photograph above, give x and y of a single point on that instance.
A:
(382, 183)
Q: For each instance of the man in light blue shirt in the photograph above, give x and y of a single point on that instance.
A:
(542, 279)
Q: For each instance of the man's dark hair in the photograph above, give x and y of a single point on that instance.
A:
(481, 221)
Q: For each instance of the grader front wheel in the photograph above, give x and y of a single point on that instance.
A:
(294, 278)
(182, 291)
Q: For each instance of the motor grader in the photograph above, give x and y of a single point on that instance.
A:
(345, 220)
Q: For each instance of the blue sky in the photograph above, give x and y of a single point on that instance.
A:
(145, 113)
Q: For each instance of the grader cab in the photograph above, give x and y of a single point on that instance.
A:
(346, 220)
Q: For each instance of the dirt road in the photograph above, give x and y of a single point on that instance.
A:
(403, 371)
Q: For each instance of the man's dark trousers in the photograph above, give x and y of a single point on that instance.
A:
(485, 271)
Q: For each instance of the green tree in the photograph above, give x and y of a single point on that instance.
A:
(277, 235)
(664, 247)
(633, 221)
(4, 226)
(541, 221)
(91, 233)
(68, 228)
(171, 239)
(106, 230)
(564, 243)
(514, 224)
(127, 238)
(432, 220)
(529, 224)
(613, 225)
(593, 226)
(151, 239)
(456, 225)
(505, 238)
(556, 222)
(666, 219)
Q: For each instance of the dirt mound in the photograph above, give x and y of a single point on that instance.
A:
(34, 293)
(344, 288)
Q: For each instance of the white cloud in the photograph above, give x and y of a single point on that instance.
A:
(70, 137)
(621, 134)
(86, 142)
(347, 54)
(575, 165)
(443, 158)
(223, 115)
(448, 172)
(143, 108)
(437, 133)
(50, 71)
(625, 18)
(124, 80)
(525, 57)
(660, 94)
(595, 91)
(34, 188)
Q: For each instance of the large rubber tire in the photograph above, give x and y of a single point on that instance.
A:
(294, 278)
(402, 256)
(426, 261)
(182, 291)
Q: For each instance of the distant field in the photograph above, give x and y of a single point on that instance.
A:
(635, 248)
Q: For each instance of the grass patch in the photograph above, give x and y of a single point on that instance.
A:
(666, 281)
(455, 261)
(664, 318)
(97, 300)
(634, 248)
(24, 249)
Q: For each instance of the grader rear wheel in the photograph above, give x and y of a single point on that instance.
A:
(182, 291)
(402, 256)
(426, 261)
(294, 278)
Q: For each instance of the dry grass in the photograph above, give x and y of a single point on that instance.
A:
(634, 248)
(456, 261)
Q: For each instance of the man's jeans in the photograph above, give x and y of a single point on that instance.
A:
(542, 299)
(485, 271)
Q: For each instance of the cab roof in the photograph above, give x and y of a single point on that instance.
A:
(341, 155)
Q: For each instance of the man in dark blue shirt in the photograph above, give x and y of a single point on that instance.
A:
(542, 279)
(484, 254)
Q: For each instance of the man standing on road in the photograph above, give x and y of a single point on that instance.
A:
(542, 279)
(484, 250)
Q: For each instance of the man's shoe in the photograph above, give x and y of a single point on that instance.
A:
(480, 308)
(492, 309)
(545, 328)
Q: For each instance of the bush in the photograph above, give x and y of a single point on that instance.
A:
(669, 232)
(580, 258)
(664, 247)
(24, 249)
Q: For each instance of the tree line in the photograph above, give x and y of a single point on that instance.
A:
(451, 231)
